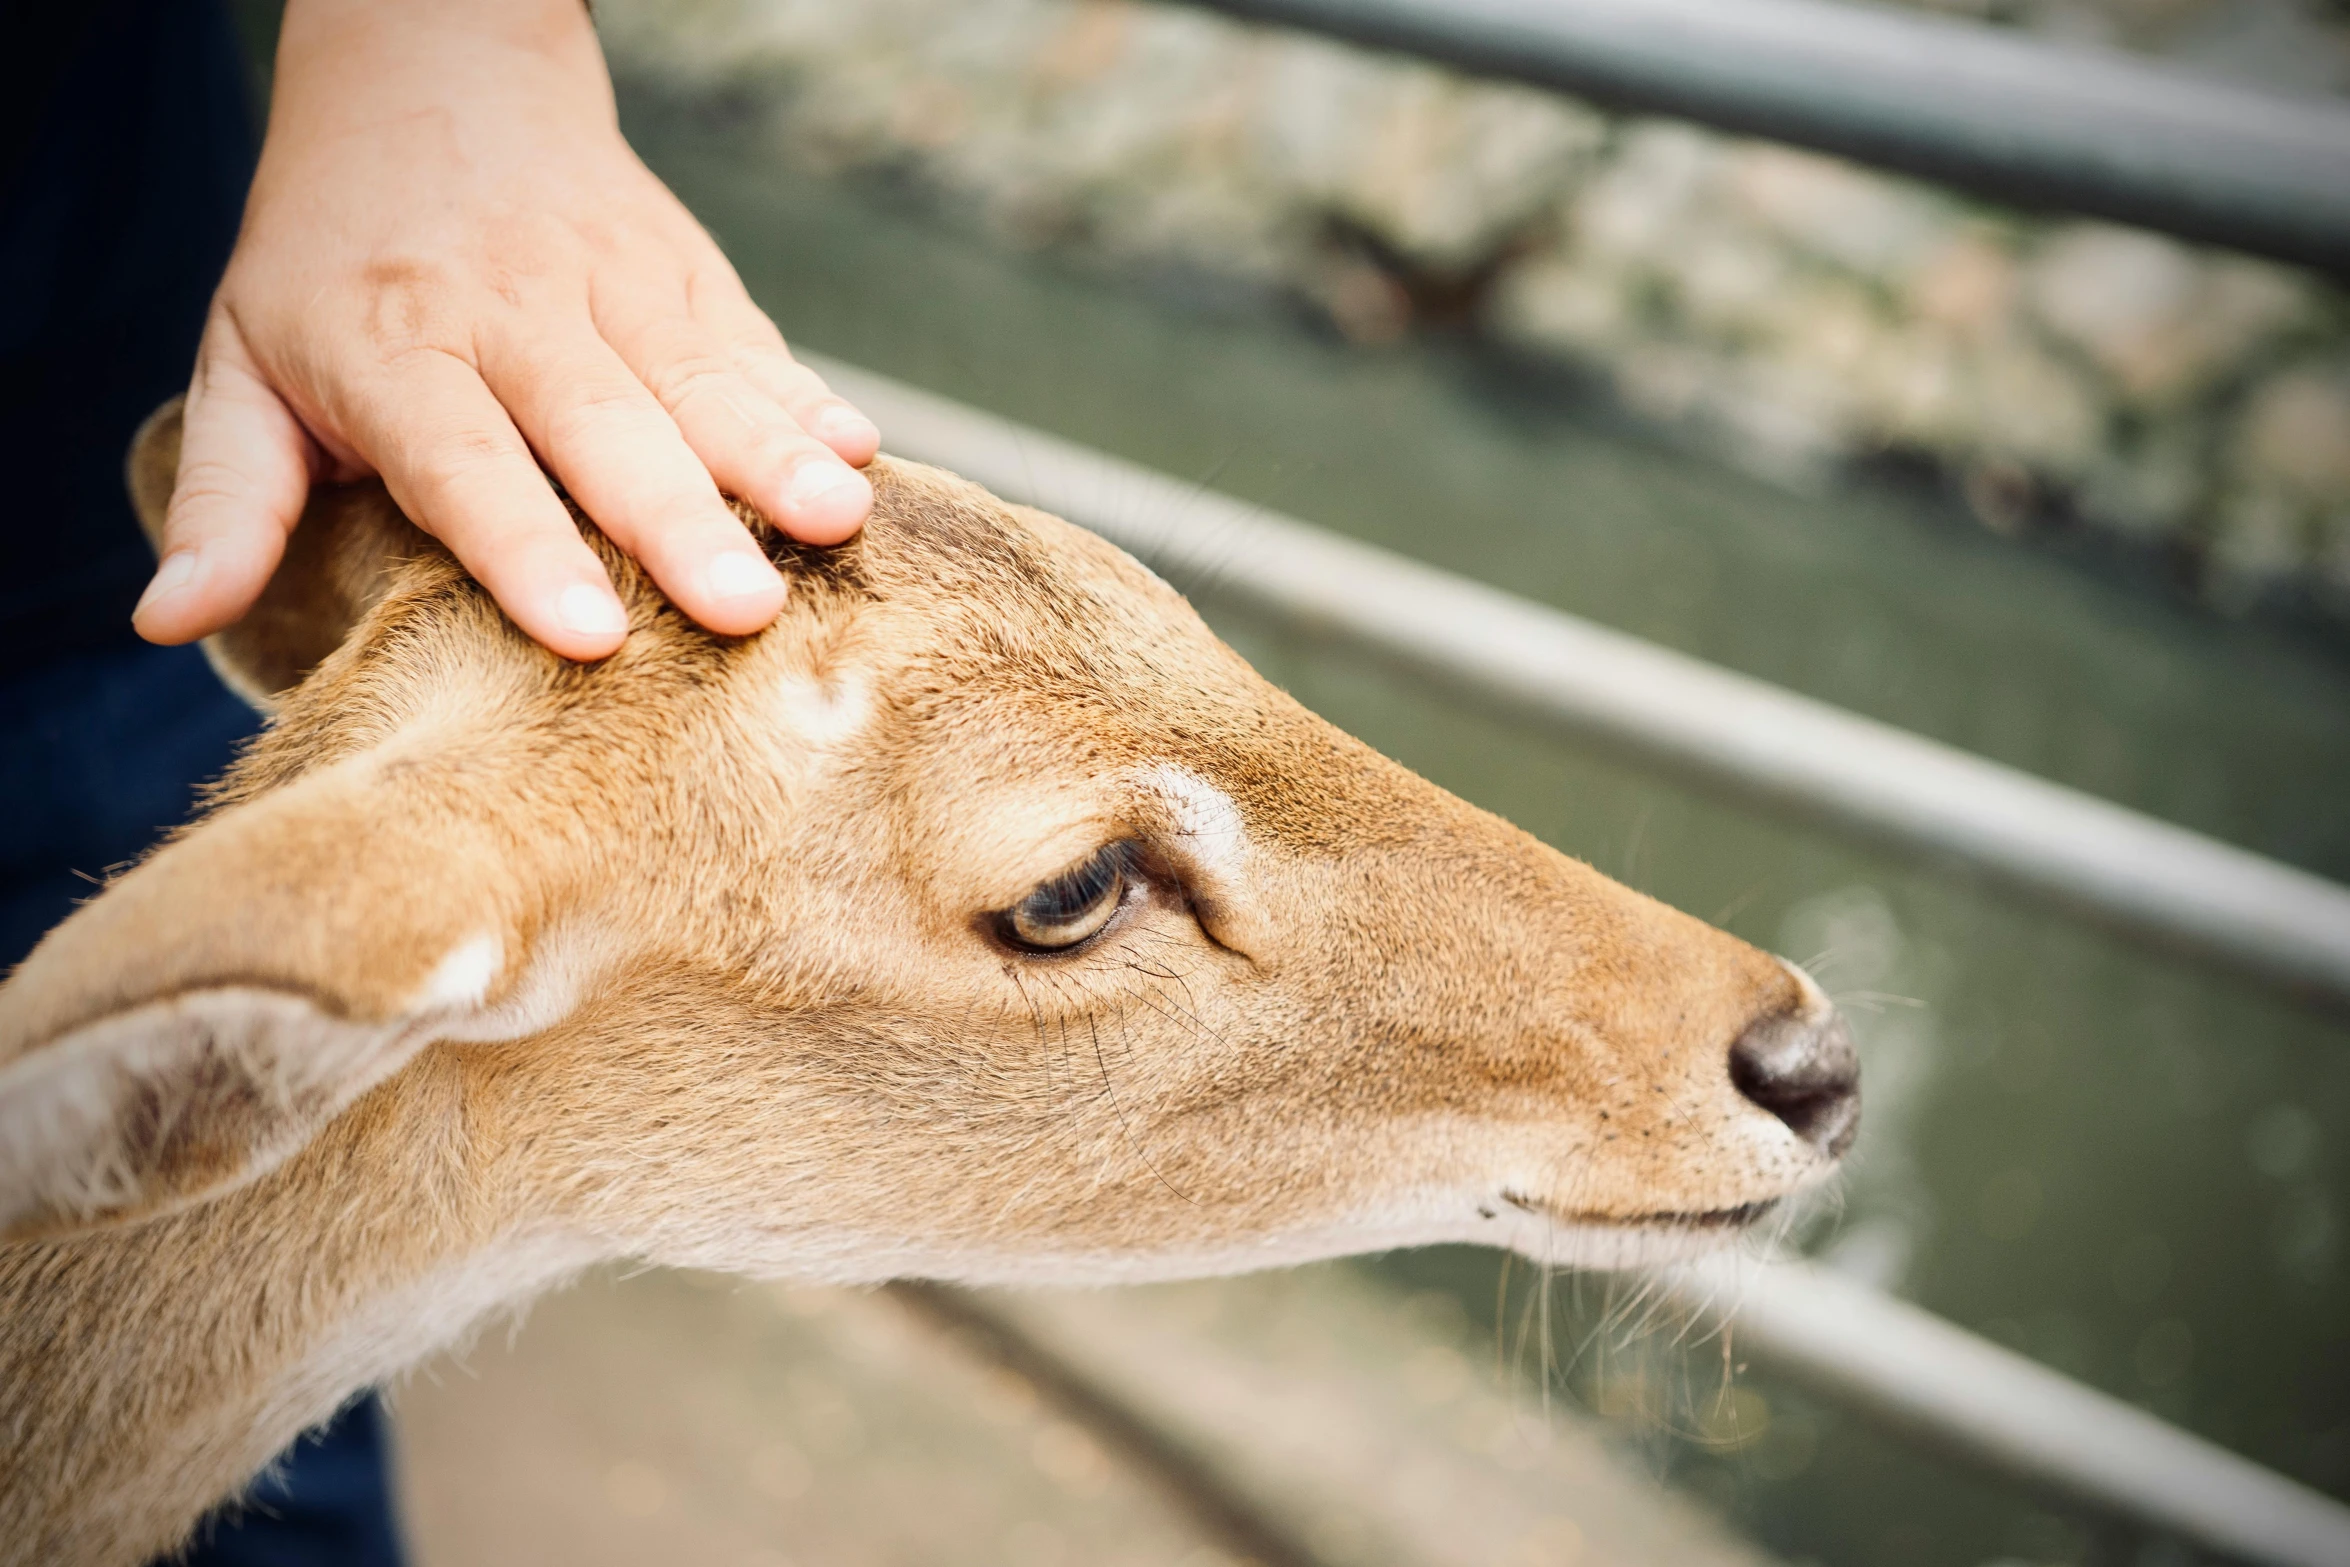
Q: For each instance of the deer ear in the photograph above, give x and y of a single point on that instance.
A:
(337, 564)
(210, 1012)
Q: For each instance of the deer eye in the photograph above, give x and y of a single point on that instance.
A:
(1073, 907)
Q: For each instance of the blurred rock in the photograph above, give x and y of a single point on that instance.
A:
(1736, 286)
(2114, 293)
(2286, 508)
(2295, 435)
(1365, 303)
(1785, 418)
(1632, 208)
(1966, 285)
(2150, 490)
(1916, 385)
(1555, 304)
(1834, 210)
(1450, 170)
(2029, 407)
(2153, 315)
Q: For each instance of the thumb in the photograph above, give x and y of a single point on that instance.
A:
(244, 475)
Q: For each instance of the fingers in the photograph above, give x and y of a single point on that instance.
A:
(722, 314)
(244, 474)
(812, 405)
(453, 460)
(642, 430)
(620, 454)
(754, 443)
(759, 351)
(755, 450)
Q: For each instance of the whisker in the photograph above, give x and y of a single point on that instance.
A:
(1111, 1089)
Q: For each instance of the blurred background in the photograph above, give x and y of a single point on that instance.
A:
(2069, 495)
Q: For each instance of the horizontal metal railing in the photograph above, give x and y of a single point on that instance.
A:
(2144, 878)
(1909, 1369)
(1902, 1366)
(1855, 1346)
(2016, 119)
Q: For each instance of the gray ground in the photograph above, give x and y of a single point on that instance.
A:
(683, 1419)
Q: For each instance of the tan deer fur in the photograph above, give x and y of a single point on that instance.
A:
(482, 966)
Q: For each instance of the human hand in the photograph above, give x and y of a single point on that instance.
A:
(450, 262)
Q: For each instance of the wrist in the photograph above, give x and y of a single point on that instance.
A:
(335, 57)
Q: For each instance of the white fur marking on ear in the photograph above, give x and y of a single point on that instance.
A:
(67, 1108)
(462, 979)
(561, 963)
(1205, 817)
(79, 1117)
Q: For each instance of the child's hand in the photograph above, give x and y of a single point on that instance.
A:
(451, 262)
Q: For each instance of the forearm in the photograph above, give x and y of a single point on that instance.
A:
(351, 66)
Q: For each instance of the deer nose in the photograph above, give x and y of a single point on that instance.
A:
(1802, 1068)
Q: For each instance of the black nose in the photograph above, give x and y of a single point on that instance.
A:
(1805, 1072)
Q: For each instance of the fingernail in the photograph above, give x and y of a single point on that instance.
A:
(589, 611)
(840, 422)
(742, 574)
(815, 480)
(176, 574)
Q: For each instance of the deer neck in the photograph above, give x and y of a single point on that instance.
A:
(147, 1372)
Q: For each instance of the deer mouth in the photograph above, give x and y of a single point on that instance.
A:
(1724, 1220)
(1573, 1237)
(1737, 1218)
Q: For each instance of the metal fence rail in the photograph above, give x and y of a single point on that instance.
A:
(2144, 878)
(2004, 116)
(1901, 1366)
(1910, 1369)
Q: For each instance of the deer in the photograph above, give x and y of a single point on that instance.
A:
(986, 919)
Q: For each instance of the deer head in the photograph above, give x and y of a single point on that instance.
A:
(985, 919)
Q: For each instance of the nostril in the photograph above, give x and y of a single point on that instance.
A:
(1805, 1072)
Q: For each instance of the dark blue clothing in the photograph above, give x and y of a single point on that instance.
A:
(97, 753)
(329, 1504)
(126, 144)
(117, 210)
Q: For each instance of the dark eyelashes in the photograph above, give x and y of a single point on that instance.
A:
(1081, 889)
(1070, 910)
